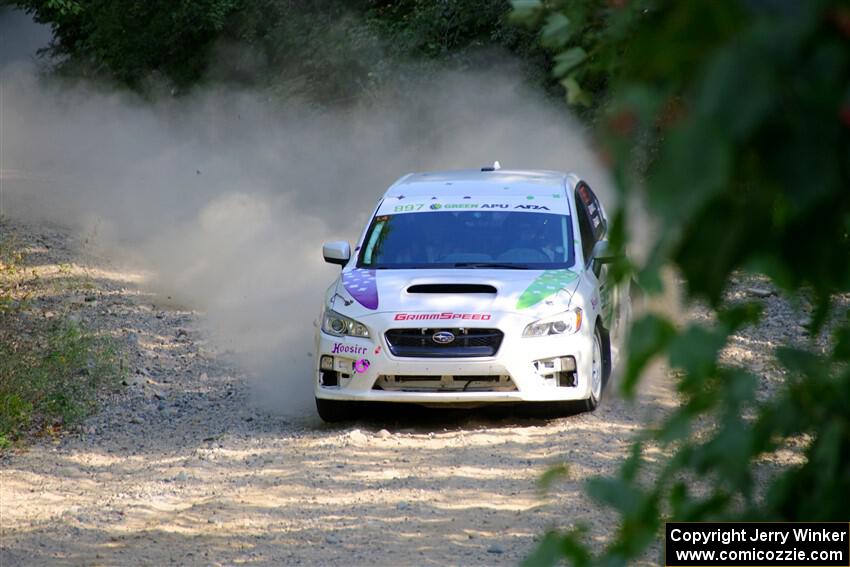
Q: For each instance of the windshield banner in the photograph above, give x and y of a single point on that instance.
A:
(532, 204)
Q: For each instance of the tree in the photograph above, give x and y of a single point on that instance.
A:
(734, 119)
(324, 50)
(127, 40)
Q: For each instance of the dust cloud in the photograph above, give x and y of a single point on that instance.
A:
(226, 196)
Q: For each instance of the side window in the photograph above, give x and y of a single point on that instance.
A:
(591, 222)
(597, 221)
(585, 227)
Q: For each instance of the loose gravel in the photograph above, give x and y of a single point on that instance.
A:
(182, 467)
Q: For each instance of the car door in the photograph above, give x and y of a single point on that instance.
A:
(593, 226)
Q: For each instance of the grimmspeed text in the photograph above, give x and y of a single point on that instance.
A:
(441, 316)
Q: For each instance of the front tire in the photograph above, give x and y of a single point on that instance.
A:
(598, 374)
(335, 411)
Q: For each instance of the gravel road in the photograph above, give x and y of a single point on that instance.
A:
(182, 467)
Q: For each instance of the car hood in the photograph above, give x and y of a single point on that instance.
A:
(359, 292)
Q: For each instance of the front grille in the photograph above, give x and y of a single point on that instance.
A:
(421, 383)
(468, 343)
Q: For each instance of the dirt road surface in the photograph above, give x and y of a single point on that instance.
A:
(182, 467)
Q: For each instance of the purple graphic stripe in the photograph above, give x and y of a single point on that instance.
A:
(362, 286)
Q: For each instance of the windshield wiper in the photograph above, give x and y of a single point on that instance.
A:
(498, 265)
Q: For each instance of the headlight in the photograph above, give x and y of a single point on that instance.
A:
(339, 325)
(565, 323)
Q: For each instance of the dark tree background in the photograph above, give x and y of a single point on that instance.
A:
(325, 50)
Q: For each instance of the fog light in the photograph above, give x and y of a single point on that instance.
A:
(566, 379)
(329, 378)
(562, 369)
(326, 363)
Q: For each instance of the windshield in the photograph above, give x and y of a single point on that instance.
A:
(469, 239)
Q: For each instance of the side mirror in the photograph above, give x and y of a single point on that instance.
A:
(602, 253)
(338, 252)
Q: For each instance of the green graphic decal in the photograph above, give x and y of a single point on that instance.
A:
(548, 283)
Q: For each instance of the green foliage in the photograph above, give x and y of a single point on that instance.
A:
(52, 378)
(442, 29)
(462, 34)
(50, 373)
(555, 546)
(552, 475)
(129, 39)
(734, 119)
(10, 259)
(649, 336)
(585, 42)
(325, 50)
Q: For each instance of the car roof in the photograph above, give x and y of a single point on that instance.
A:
(475, 182)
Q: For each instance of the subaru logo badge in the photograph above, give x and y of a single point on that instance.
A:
(443, 337)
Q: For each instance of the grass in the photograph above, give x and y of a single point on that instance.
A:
(50, 370)
(10, 260)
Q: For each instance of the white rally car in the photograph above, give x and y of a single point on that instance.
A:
(469, 288)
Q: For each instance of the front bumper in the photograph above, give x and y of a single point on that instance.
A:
(525, 369)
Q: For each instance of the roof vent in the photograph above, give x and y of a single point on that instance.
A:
(495, 167)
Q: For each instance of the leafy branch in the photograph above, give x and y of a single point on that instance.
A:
(733, 120)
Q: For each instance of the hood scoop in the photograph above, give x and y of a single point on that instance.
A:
(452, 288)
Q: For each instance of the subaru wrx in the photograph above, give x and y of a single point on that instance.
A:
(469, 288)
